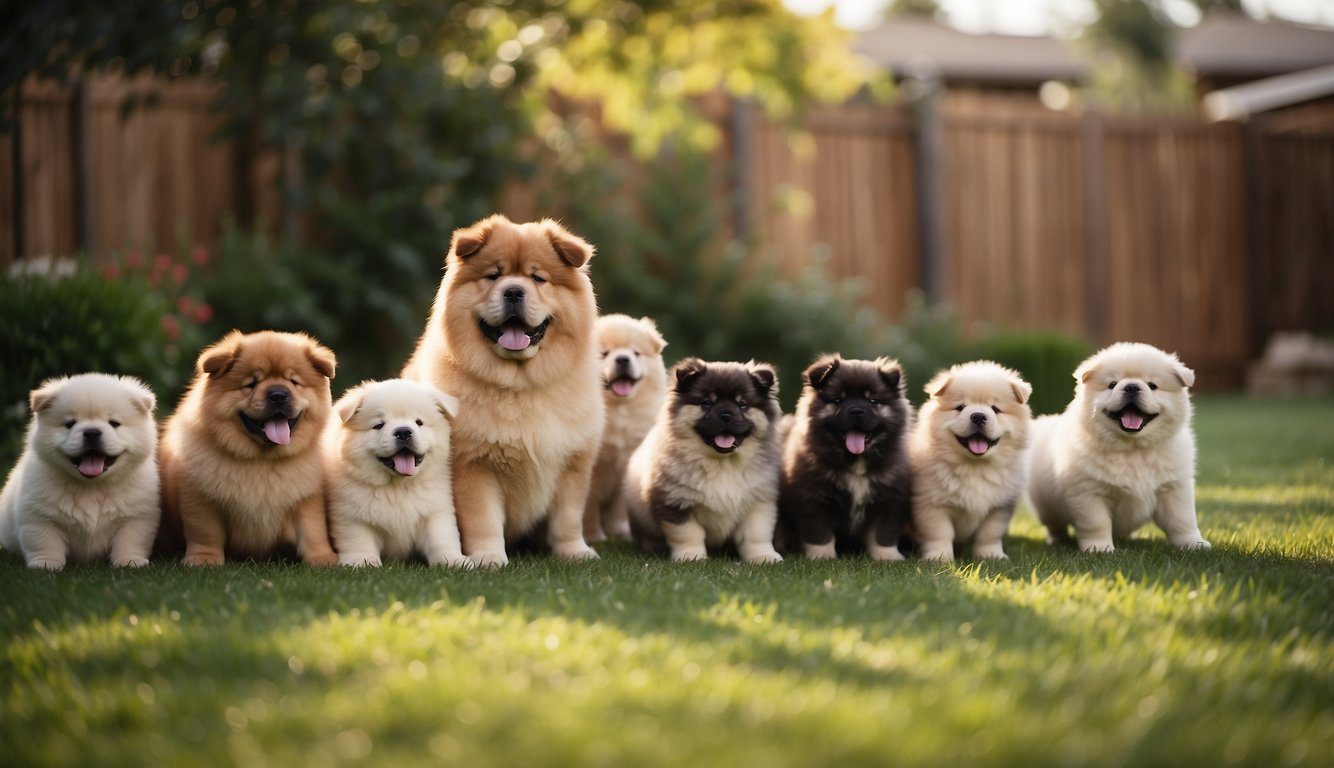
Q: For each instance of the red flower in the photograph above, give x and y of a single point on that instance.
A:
(200, 255)
(184, 305)
(110, 271)
(179, 273)
(134, 260)
(163, 262)
(203, 313)
(171, 327)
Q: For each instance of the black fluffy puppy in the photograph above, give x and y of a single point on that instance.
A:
(845, 482)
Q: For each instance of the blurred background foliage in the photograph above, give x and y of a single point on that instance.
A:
(404, 121)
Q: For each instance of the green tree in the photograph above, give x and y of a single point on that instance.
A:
(1134, 68)
(926, 8)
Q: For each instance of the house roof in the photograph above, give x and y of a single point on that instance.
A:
(1224, 44)
(1270, 93)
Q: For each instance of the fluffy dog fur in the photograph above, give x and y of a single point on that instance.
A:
(634, 385)
(389, 485)
(845, 481)
(511, 335)
(968, 459)
(241, 458)
(1121, 454)
(708, 471)
(87, 483)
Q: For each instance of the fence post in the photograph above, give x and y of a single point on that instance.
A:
(743, 166)
(16, 165)
(924, 88)
(1096, 273)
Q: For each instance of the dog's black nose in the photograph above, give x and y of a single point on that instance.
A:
(979, 419)
(724, 416)
(513, 294)
(92, 435)
(403, 434)
(622, 361)
(856, 411)
(278, 396)
(1132, 389)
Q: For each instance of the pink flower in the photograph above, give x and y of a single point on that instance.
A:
(163, 262)
(171, 327)
(184, 305)
(203, 313)
(179, 273)
(199, 255)
(134, 260)
(110, 271)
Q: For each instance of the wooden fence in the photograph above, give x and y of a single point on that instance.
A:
(1200, 238)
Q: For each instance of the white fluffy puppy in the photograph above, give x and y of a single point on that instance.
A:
(87, 483)
(387, 462)
(967, 454)
(1121, 454)
(634, 386)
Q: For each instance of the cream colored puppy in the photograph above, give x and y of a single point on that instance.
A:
(87, 483)
(387, 462)
(967, 454)
(634, 383)
(1121, 454)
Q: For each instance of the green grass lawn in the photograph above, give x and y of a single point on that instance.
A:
(1147, 656)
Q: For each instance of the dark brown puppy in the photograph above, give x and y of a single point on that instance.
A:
(845, 482)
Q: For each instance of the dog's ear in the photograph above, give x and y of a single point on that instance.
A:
(348, 405)
(1022, 389)
(321, 358)
(469, 240)
(820, 370)
(218, 359)
(143, 397)
(892, 373)
(41, 398)
(447, 404)
(938, 384)
(1184, 375)
(571, 248)
(659, 343)
(688, 370)
(1086, 370)
(764, 376)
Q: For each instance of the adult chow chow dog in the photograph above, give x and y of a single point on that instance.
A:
(242, 466)
(511, 336)
(1121, 454)
(634, 386)
(707, 472)
(967, 453)
(387, 463)
(86, 485)
(846, 483)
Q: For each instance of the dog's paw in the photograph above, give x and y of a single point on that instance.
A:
(820, 551)
(358, 561)
(579, 551)
(460, 562)
(1097, 547)
(321, 559)
(688, 555)
(1193, 544)
(130, 562)
(938, 555)
(490, 560)
(763, 558)
(203, 559)
(595, 536)
(46, 564)
(991, 554)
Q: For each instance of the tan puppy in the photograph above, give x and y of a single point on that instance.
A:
(634, 385)
(1121, 454)
(387, 465)
(242, 468)
(511, 335)
(87, 483)
(967, 453)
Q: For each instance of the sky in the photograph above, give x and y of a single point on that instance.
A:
(1037, 17)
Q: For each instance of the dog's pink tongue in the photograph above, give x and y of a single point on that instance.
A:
(92, 464)
(978, 445)
(724, 441)
(622, 387)
(856, 443)
(514, 339)
(405, 463)
(278, 431)
(1132, 420)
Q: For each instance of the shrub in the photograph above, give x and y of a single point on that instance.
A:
(1046, 359)
(76, 320)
